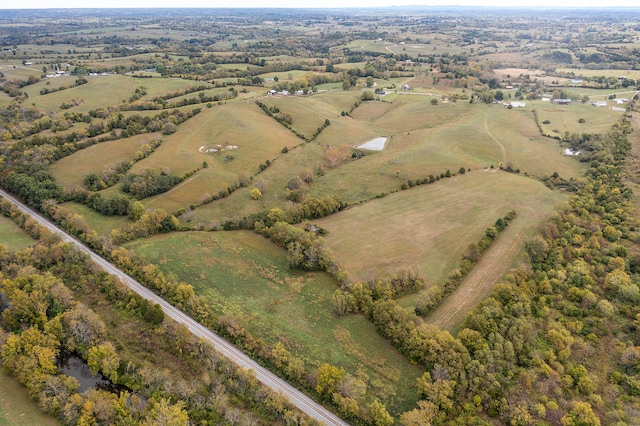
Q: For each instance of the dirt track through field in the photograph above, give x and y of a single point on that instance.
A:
(504, 151)
(477, 286)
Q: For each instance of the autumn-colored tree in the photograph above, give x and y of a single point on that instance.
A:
(328, 378)
(334, 156)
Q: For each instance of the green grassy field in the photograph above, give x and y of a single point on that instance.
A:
(256, 136)
(245, 274)
(635, 74)
(565, 118)
(427, 228)
(16, 407)
(310, 112)
(98, 222)
(12, 237)
(424, 139)
(71, 170)
(109, 90)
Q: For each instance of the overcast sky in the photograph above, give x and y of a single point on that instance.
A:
(47, 4)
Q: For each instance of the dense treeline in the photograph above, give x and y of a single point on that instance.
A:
(33, 189)
(540, 348)
(149, 183)
(311, 208)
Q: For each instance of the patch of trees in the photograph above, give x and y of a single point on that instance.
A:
(149, 183)
(161, 102)
(42, 150)
(358, 297)
(336, 155)
(428, 179)
(311, 208)
(32, 189)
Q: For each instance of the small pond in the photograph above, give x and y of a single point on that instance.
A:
(74, 366)
(376, 144)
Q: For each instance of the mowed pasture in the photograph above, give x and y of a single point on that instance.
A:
(429, 139)
(566, 118)
(254, 136)
(16, 406)
(427, 228)
(309, 112)
(70, 171)
(107, 90)
(424, 139)
(244, 274)
(12, 237)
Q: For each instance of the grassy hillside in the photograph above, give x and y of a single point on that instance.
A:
(246, 275)
(428, 227)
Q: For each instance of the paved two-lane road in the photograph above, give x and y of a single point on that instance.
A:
(297, 398)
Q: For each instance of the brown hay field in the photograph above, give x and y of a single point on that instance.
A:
(71, 170)
(428, 227)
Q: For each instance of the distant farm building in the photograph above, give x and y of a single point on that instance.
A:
(571, 151)
(515, 104)
(599, 104)
(562, 101)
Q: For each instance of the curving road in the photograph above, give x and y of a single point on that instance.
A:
(297, 398)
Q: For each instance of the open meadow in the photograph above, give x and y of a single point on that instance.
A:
(244, 274)
(12, 237)
(16, 406)
(427, 228)
(70, 171)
